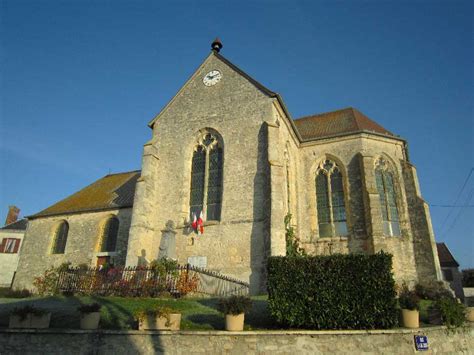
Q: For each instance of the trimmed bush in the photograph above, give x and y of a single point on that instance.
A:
(333, 292)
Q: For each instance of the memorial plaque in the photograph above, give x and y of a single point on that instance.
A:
(198, 261)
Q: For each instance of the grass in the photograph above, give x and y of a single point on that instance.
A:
(118, 312)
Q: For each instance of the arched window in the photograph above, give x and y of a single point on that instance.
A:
(388, 197)
(330, 200)
(109, 234)
(206, 178)
(60, 238)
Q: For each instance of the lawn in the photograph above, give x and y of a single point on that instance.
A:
(118, 312)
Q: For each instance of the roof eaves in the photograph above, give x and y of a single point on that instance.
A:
(353, 133)
(78, 211)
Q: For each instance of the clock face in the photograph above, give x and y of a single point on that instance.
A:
(212, 78)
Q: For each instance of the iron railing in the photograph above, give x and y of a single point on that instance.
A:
(140, 281)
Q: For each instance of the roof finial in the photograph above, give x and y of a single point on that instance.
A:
(216, 45)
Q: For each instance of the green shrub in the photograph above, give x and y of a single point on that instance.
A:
(408, 299)
(432, 290)
(452, 312)
(332, 292)
(23, 312)
(235, 305)
(9, 293)
(89, 308)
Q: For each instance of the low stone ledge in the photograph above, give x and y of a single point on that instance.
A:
(390, 341)
(226, 333)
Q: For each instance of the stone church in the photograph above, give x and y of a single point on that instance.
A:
(225, 147)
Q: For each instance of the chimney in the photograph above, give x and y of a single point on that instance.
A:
(12, 215)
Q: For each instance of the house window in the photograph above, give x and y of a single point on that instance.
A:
(9, 245)
(109, 235)
(206, 178)
(330, 200)
(60, 238)
(388, 198)
(447, 274)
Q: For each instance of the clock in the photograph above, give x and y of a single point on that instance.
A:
(212, 78)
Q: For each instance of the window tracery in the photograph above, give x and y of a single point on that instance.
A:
(330, 200)
(384, 179)
(206, 177)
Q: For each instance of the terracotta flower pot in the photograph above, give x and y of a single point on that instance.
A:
(411, 318)
(234, 323)
(470, 314)
(151, 322)
(90, 320)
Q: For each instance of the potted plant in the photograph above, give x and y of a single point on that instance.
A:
(90, 315)
(234, 309)
(29, 317)
(409, 303)
(158, 318)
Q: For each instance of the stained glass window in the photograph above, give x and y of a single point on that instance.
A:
(110, 233)
(60, 238)
(197, 180)
(330, 201)
(388, 198)
(206, 179)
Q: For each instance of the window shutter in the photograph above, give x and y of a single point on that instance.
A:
(2, 245)
(17, 246)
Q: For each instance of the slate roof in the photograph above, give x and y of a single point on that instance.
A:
(110, 192)
(345, 121)
(446, 259)
(18, 225)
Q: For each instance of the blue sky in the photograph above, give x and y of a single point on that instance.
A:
(81, 79)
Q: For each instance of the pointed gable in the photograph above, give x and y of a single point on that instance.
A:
(212, 57)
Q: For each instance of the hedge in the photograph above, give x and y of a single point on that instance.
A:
(333, 292)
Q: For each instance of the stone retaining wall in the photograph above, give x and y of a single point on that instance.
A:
(399, 341)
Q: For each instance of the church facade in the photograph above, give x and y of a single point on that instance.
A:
(225, 147)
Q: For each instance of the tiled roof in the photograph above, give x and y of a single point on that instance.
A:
(18, 225)
(111, 191)
(344, 121)
(446, 259)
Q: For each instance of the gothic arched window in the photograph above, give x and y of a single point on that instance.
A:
(206, 178)
(60, 238)
(330, 200)
(388, 198)
(109, 234)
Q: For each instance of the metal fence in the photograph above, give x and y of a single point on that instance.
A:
(149, 282)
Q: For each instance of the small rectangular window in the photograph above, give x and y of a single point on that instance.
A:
(447, 274)
(10, 245)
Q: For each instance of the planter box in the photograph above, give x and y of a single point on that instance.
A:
(161, 323)
(234, 323)
(90, 320)
(411, 318)
(30, 321)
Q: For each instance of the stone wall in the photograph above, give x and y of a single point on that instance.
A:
(356, 156)
(400, 341)
(82, 246)
(235, 109)
(9, 262)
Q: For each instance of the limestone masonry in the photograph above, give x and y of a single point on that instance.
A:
(225, 148)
